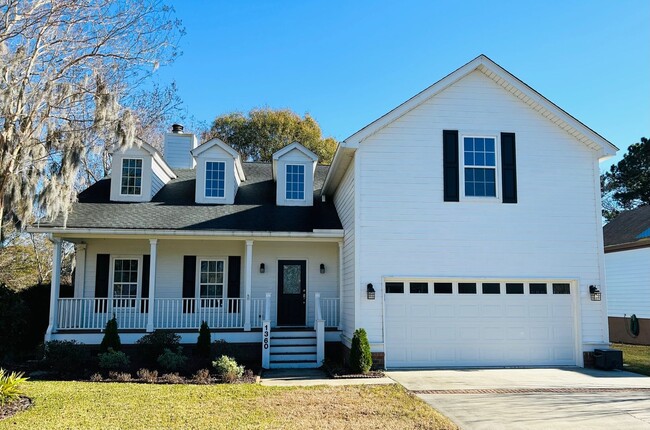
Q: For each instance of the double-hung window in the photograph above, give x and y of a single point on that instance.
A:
(211, 282)
(131, 176)
(295, 188)
(125, 282)
(215, 179)
(480, 166)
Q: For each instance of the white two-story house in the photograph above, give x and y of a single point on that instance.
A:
(462, 228)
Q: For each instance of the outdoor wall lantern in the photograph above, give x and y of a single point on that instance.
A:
(371, 292)
(322, 268)
(595, 293)
(262, 268)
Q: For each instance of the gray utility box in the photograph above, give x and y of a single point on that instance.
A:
(608, 359)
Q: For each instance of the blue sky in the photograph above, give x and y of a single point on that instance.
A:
(349, 62)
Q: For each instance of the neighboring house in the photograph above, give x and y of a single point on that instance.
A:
(462, 228)
(627, 266)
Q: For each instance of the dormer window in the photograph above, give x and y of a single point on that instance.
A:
(131, 176)
(295, 186)
(215, 179)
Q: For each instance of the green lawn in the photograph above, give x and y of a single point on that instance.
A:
(636, 358)
(88, 405)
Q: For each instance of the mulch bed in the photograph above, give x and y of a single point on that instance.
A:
(10, 409)
(338, 372)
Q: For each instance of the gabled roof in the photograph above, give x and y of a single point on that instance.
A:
(287, 149)
(221, 144)
(502, 77)
(630, 229)
(157, 156)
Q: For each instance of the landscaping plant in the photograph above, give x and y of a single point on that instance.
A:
(149, 376)
(360, 356)
(10, 386)
(66, 356)
(113, 360)
(228, 369)
(111, 337)
(153, 345)
(172, 361)
(204, 340)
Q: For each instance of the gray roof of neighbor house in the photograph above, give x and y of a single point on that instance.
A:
(173, 207)
(631, 229)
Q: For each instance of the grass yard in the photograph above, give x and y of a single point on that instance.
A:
(636, 358)
(88, 405)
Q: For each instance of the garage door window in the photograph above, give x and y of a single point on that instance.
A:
(515, 288)
(442, 288)
(492, 288)
(419, 288)
(395, 287)
(561, 289)
(537, 288)
(466, 288)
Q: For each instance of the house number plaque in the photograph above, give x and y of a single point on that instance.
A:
(265, 335)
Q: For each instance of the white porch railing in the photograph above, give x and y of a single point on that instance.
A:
(330, 311)
(189, 313)
(81, 313)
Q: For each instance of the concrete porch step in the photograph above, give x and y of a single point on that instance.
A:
(296, 341)
(292, 356)
(277, 349)
(295, 365)
(286, 334)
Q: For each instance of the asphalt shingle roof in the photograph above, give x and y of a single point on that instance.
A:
(629, 227)
(173, 207)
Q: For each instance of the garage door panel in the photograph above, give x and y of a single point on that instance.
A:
(439, 330)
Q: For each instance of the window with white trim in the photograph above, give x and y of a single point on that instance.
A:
(131, 176)
(215, 179)
(211, 282)
(125, 281)
(479, 166)
(295, 182)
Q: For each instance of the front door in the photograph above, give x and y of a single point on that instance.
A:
(292, 292)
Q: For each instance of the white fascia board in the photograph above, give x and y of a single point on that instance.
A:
(212, 142)
(316, 234)
(340, 163)
(295, 145)
(164, 166)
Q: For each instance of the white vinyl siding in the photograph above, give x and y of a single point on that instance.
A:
(628, 283)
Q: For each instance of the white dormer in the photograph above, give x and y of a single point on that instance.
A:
(293, 170)
(138, 173)
(218, 172)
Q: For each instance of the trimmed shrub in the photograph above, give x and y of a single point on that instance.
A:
(111, 338)
(13, 320)
(149, 376)
(223, 348)
(228, 369)
(10, 386)
(113, 360)
(66, 356)
(360, 356)
(172, 361)
(204, 340)
(153, 345)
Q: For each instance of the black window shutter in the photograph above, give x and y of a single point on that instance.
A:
(450, 165)
(508, 168)
(146, 264)
(234, 280)
(189, 282)
(101, 281)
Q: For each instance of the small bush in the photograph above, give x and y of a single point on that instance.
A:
(149, 376)
(113, 360)
(172, 378)
(204, 340)
(96, 377)
(360, 356)
(228, 369)
(153, 345)
(10, 386)
(111, 337)
(202, 376)
(172, 361)
(120, 376)
(65, 356)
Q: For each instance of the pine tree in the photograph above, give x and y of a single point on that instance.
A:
(204, 340)
(111, 337)
(360, 356)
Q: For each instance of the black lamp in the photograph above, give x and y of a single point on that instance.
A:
(371, 292)
(594, 292)
(322, 268)
(262, 268)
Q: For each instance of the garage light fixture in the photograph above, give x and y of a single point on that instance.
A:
(594, 292)
(371, 292)
(262, 268)
(322, 268)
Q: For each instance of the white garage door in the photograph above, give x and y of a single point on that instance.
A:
(479, 323)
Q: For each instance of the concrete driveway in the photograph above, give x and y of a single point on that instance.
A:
(566, 398)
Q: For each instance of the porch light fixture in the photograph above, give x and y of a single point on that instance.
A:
(594, 292)
(322, 268)
(371, 292)
(262, 268)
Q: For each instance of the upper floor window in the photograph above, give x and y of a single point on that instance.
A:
(295, 189)
(480, 166)
(215, 179)
(131, 176)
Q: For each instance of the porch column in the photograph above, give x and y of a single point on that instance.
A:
(248, 283)
(153, 257)
(55, 287)
(340, 285)
(79, 269)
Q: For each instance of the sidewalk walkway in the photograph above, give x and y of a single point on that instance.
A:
(309, 377)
